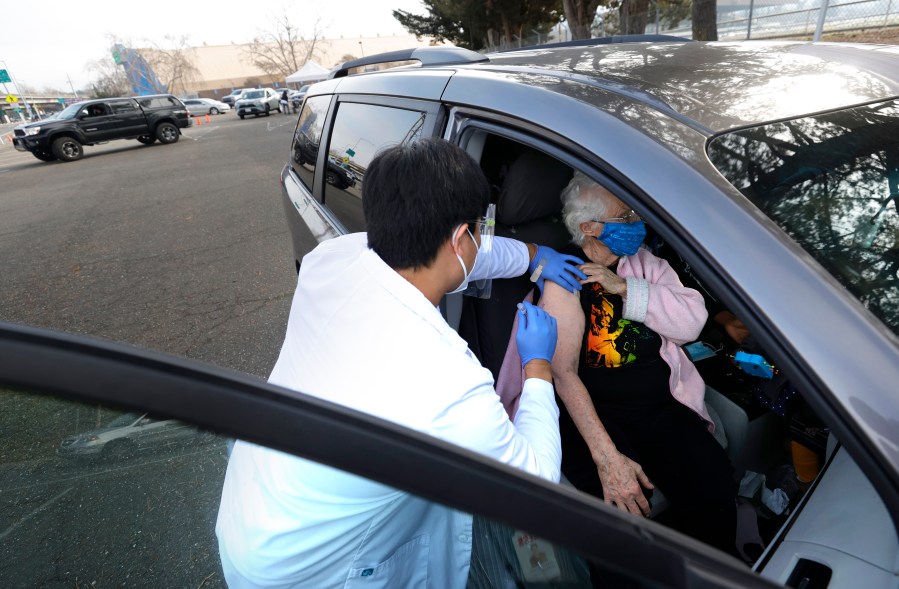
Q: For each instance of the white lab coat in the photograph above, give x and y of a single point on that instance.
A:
(362, 336)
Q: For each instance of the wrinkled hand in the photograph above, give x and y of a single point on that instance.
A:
(536, 335)
(559, 268)
(623, 481)
(611, 282)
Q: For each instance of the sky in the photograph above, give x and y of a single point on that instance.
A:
(46, 48)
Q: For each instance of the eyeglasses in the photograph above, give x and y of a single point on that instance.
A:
(629, 217)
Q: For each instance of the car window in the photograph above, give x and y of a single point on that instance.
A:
(151, 102)
(123, 106)
(831, 181)
(89, 500)
(359, 133)
(253, 95)
(307, 138)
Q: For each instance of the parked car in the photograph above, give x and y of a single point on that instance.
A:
(297, 96)
(769, 169)
(229, 99)
(126, 435)
(204, 106)
(257, 102)
(145, 118)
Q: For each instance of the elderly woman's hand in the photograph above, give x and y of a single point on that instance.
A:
(623, 481)
(611, 282)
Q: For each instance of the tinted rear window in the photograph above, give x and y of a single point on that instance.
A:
(831, 181)
(150, 102)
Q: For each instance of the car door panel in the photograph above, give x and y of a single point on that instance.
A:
(845, 517)
(222, 400)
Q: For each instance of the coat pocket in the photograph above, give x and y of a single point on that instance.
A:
(407, 567)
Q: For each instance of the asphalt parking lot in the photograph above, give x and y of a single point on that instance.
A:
(180, 248)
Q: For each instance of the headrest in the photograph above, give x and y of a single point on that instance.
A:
(531, 188)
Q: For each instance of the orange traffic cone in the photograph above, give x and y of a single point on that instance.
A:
(199, 122)
(207, 118)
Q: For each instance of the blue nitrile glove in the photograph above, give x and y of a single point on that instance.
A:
(560, 268)
(536, 335)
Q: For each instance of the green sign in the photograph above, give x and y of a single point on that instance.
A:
(351, 152)
(4, 76)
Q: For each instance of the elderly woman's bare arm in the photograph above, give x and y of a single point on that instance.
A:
(620, 476)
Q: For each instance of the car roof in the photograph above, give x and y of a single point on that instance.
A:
(710, 87)
(721, 85)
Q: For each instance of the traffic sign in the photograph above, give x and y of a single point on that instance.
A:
(10, 98)
(4, 76)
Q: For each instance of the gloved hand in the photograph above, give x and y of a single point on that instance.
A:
(536, 335)
(560, 268)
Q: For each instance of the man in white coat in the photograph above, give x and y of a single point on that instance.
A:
(365, 331)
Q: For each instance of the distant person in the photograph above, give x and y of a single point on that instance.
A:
(365, 331)
(284, 103)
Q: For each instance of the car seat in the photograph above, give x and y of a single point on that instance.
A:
(528, 209)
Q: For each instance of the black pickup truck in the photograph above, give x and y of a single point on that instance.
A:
(145, 118)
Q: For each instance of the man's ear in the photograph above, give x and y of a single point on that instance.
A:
(456, 237)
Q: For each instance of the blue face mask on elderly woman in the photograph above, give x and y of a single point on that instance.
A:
(623, 239)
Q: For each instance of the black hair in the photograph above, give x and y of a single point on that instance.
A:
(415, 194)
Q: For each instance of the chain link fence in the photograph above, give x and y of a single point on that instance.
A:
(799, 19)
(867, 21)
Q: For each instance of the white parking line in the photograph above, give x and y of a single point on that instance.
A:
(46, 504)
(271, 127)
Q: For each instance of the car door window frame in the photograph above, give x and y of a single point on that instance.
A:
(220, 399)
(461, 119)
(433, 120)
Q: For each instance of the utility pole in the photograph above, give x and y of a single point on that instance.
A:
(72, 86)
(16, 86)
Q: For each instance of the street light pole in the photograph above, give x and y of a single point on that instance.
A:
(72, 86)
(362, 51)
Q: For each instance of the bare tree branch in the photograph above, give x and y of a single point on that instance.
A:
(283, 49)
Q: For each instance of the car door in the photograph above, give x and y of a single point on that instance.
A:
(335, 139)
(148, 519)
(130, 119)
(97, 122)
(782, 296)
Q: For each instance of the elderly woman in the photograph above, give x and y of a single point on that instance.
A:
(634, 415)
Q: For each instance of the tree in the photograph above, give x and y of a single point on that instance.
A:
(283, 49)
(633, 16)
(479, 24)
(172, 63)
(108, 79)
(705, 20)
(146, 66)
(580, 14)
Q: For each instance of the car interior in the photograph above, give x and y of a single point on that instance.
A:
(776, 443)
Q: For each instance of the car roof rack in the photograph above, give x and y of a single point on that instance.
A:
(428, 56)
(605, 41)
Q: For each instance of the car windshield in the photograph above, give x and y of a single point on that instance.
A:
(257, 94)
(831, 181)
(70, 111)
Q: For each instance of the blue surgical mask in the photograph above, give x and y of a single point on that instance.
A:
(623, 239)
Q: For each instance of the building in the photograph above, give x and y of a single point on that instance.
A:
(218, 69)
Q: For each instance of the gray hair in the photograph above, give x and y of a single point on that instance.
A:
(581, 203)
